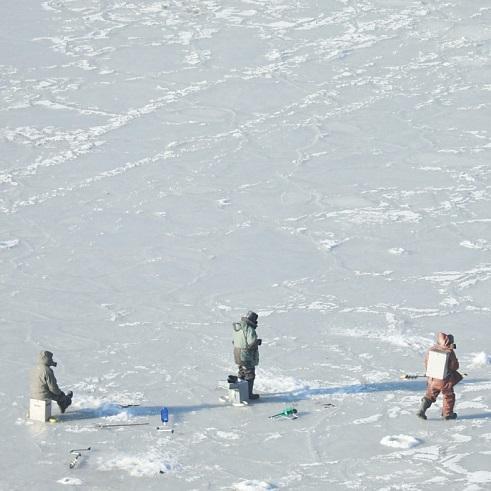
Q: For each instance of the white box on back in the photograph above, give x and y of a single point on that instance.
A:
(437, 364)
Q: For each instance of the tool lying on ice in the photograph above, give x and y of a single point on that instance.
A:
(288, 412)
(115, 425)
(76, 455)
(406, 376)
(328, 404)
(164, 428)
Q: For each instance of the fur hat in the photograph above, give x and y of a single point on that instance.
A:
(251, 318)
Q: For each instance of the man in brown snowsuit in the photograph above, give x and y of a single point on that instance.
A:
(445, 344)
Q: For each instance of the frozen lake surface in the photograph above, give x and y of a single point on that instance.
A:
(168, 165)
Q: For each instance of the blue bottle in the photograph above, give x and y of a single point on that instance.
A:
(164, 415)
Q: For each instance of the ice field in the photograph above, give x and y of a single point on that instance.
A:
(167, 166)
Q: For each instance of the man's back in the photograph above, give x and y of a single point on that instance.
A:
(43, 384)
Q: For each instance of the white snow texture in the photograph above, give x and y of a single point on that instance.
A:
(168, 165)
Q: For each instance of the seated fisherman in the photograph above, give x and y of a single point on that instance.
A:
(44, 384)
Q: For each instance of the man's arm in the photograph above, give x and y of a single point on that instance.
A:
(251, 338)
(453, 363)
(51, 382)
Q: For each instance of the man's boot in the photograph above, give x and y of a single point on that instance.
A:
(65, 401)
(251, 387)
(448, 405)
(425, 404)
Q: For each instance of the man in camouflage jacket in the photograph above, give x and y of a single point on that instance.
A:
(246, 353)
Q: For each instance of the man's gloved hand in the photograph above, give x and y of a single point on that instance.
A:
(259, 342)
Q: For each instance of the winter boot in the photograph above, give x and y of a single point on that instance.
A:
(450, 416)
(65, 401)
(251, 386)
(425, 404)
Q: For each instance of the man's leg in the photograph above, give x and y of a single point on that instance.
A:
(64, 400)
(448, 402)
(433, 390)
(250, 375)
(425, 404)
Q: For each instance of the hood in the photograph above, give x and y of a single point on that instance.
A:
(46, 358)
(445, 340)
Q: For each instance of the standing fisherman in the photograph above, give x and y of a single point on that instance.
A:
(445, 344)
(44, 385)
(246, 353)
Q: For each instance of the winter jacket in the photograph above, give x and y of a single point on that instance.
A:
(445, 345)
(246, 351)
(43, 380)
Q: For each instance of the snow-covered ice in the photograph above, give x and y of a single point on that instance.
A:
(70, 481)
(400, 441)
(168, 165)
(481, 359)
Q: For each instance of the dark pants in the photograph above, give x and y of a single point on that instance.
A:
(64, 400)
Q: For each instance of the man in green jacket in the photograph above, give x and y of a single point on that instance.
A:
(246, 353)
(44, 384)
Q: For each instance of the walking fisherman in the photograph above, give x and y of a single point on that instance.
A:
(246, 353)
(441, 368)
(44, 384)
